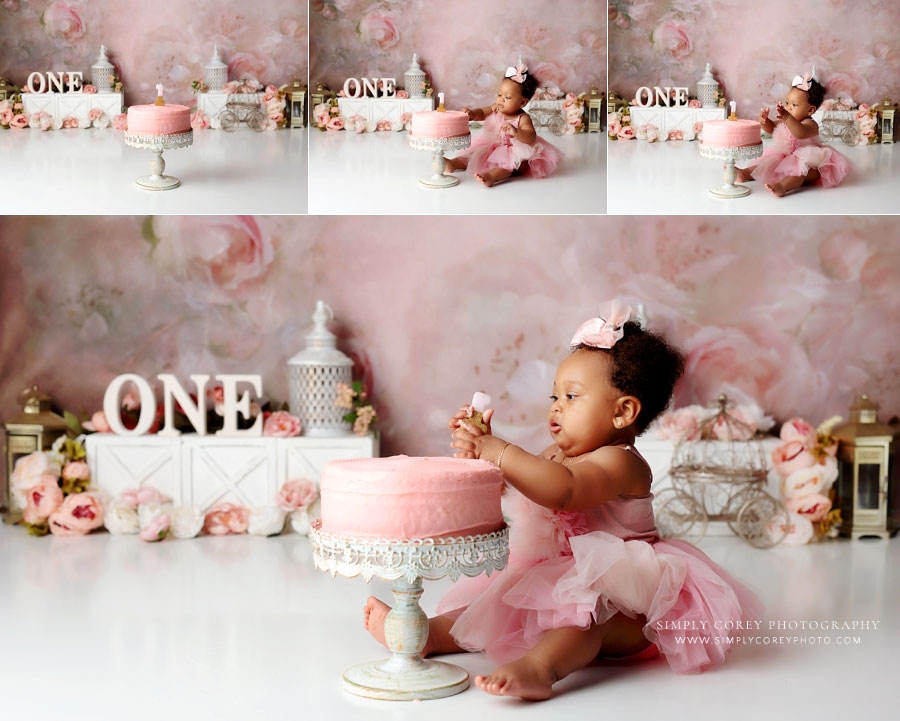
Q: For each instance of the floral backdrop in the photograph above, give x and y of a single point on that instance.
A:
(795, 313)
(757, 47)
(165, 41)
(465, 46)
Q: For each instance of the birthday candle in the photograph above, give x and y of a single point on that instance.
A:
(440, 101)
(733, 107)
(159, 95)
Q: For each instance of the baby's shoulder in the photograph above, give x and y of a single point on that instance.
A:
(625, 462)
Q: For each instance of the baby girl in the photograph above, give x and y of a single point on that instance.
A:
(797, 157)
(588, 575)
(507, 144)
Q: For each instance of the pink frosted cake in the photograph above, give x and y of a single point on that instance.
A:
(731, 133)
(158, 119)
(434, 124)
(403, 497)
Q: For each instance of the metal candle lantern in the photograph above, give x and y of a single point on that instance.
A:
(868, 487)
(102, 72)
(593, 108)
(34, 429)
(216, 72)
(314, 376)
(317, 96)
(296, 104)
(886, 120)
(414, 79)
(707, 87)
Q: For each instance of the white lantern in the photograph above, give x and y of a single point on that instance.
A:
(707, 87)
(314, 376)
(216, 71)
(102, 72)
(414, 79)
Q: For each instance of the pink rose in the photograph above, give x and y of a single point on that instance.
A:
(335, 123)
(695, 103)
(76, 471)
(321, 113)
(42, 499)
(18, 122)
(134, 497)
(799, 529)
(157, 529)
(225, 518)
(626, 133)
(296, 494)
(406, 118)
(120, 122)
(675, 425)
(402, 94)
(698, 127)
(815, 479)
(89, 89)
(813, 506)
(95, 113)
(199, 121)
(652, 133)
(98, 423)
(379, 29)
(63, 20)
(70, 122)
(672, 38)
(6, 115)
(281, 424)
(790, 457)
(676, 135)
(382, 125)
(796, 429)
(79, 514)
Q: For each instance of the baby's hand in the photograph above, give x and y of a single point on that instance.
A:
(510, 130)
(469, 440)
(782, 113)
(466, 412)
(470, 112)
(764, 115)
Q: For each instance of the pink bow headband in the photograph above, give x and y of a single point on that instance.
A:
(517, 73)
(606, 330)
(804, 82)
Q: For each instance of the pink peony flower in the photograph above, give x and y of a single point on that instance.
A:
(613, 126)
(813, 506)
(694, 103)
(76, 470)
(406, 119)
(796, 429)
(335, 123)
(676, 135)
(28, 472)
(402, 94)
(6, 115)
(379, 29)
(672, 38)
(626, 133)
(42, 499)
(675, 425)
(382, 125)
(77, 515)
(225, 518)
(799, 529)
(70, 122)
(199, 121)
(281, 424)
(95, 113)
(296, 494)
(134, 497)
(651, 133)
(321, 113)
(63, 20)
(90, 90)
(120, 122)
(98, 423)
(790, 457)
(814, 479)
(157, 529)
(18, 122)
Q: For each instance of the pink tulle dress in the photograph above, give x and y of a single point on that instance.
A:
(790, 156)
(574, 568)
(491, 149)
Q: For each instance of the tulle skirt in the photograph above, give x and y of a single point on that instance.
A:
(487, 153)
(777, 164)
(691, 605)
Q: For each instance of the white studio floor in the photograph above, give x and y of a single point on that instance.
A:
(671, 178)
(111, 628)
(92, 172)
(377, 173)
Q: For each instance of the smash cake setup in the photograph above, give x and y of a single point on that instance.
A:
(407, 519)
(440, 131)
(158, 127)
(731, 140)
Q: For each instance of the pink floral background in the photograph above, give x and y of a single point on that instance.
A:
(164, 41)
(796, 313)
(757, 47)
(465, 45)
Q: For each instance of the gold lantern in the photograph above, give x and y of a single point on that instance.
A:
(593, 110)
(6, 90)
(867, 490)
(296, 104)
(616, 103)
(34, 429)
(317, 97)
(885, 112)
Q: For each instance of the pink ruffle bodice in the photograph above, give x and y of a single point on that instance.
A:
(789, 156)
(492, 148)
(571, 569)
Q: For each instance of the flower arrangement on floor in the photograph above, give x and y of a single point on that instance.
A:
(573, 109)
(360, 411)
(618, 125)
(806, 464)
(12, 112)
(676, 425)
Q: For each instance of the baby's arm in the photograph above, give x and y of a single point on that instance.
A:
(800, 129)
(765, 121)
(478, 113)
(525, 133)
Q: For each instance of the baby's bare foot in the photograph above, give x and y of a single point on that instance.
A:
(449, 167)
(485, 179)
(374, 614)
(776, 189)
(742, 175)
(526, 678)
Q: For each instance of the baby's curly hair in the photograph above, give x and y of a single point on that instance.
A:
(816, 93)
(646, 366)
(529, 86)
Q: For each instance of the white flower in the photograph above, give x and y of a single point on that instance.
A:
(302, 517)
(187, 522)
(28, 471)
(102, 122)
(148, 511)
(266, 521)
(120, 519)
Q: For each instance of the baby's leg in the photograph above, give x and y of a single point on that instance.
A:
(452, 164)
(561, 651)
(793, 182)
(439, 638)
(743, 175)
(492, 176)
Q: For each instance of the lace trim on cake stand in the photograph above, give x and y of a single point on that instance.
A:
(160, 142)
(447, 145)
(736, 153)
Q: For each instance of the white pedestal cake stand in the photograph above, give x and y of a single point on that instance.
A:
(439, 146)
(730, 155)
(406, 676)
(158, 143)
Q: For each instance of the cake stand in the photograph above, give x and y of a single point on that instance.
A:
(730, 155)
(157, 144)
(439, 146)
(406, 676)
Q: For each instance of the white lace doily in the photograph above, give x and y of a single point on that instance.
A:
(160, 142)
